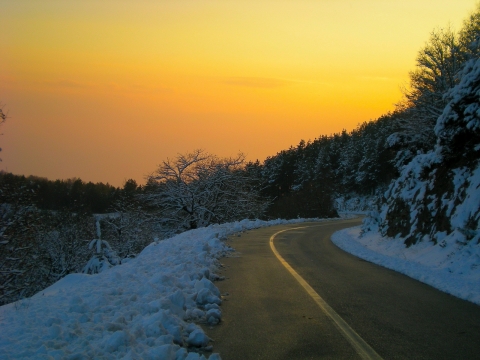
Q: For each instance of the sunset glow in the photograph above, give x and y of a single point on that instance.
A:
(106, 90)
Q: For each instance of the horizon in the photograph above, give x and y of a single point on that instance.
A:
(106, 91)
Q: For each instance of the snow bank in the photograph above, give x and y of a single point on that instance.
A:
(452, 265)
(147, 308)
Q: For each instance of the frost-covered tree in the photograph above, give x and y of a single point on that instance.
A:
(306, 160)
(374, 170)
(438, 193)
(129, 226)
(344, 164)
(37, 247)
(62, 245)
(198, 189)
(438, 68)
(458, 129)
(350, 157)
(18, 260)
(42, 241)
(104, 256)
(279, 173)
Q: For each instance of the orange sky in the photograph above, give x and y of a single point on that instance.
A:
(106, 90)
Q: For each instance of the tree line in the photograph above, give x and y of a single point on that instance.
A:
(347, 163)
(368, 159)
(71, 194)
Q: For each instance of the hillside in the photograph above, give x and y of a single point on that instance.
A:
(437, 196)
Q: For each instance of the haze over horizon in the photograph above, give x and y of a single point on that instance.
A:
(104, 91)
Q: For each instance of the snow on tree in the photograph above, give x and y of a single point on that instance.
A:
(37, 247)
(63, 245)
(40, 246)
(279, 172)
(458, 129)
(198, 189)
(129, 226)
(104, 256)
(327, 164)
(439, 65)
(438, 193)
(343, 164)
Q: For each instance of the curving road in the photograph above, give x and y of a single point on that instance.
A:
(268, 314)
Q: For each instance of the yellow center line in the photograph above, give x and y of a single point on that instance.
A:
(361, 347)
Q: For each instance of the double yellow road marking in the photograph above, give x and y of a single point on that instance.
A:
(362, 348)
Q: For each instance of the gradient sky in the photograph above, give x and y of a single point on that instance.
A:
(104, 90)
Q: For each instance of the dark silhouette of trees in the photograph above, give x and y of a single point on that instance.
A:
(304, 180)
(469, 36)
(3, 117)
(72, 194)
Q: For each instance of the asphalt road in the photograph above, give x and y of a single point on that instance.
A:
(267, 314)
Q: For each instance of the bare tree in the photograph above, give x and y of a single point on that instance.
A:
(469, 35)
(3, 117)
(38, 247)
(130, 227)
(198, 189)
(438, 63)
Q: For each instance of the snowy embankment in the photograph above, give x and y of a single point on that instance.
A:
(147, 308)
(451, 266)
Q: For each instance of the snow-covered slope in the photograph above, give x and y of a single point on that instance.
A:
(429, 226)
(147, 308)
(437, 196)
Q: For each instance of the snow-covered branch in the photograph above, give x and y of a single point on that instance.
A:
(198, 188)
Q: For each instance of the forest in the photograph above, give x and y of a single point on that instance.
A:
(419, 159)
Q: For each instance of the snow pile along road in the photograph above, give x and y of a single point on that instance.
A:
(452, 265)
(147, 308)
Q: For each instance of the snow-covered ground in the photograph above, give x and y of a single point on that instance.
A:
(452, 266)
(147, 308)
(152, 306)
